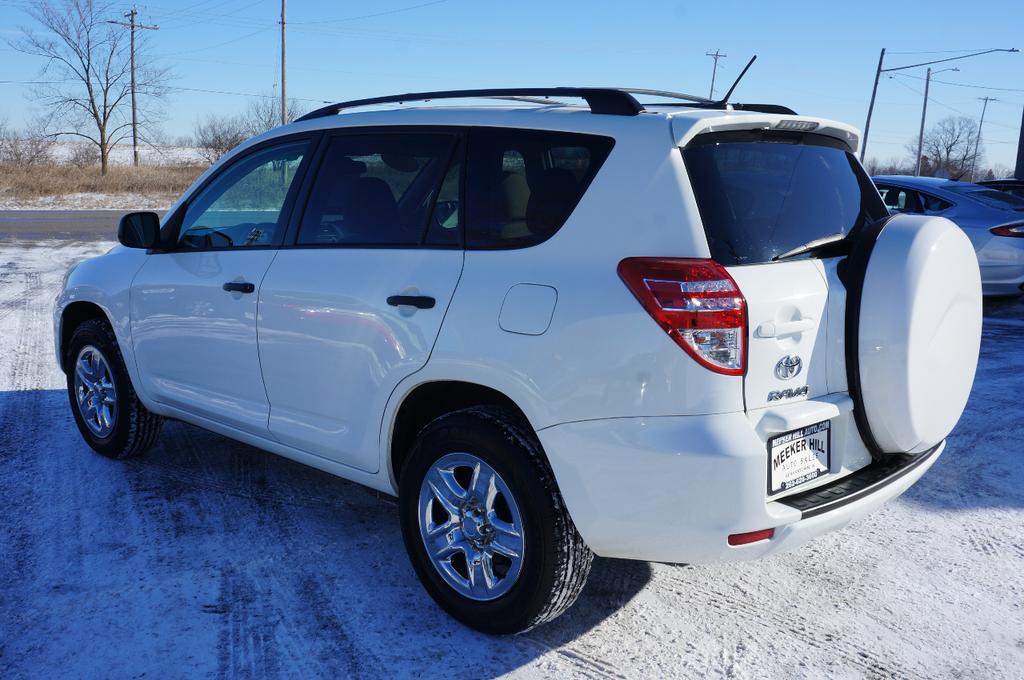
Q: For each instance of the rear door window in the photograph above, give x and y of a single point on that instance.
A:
(522, 185)
(761, 193)
(379, 189)
(934, 204)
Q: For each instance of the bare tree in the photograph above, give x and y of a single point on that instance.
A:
(88, 72)
(216, 135)
(24, 149)
(892, 166)
(264, 113)
(949, 149)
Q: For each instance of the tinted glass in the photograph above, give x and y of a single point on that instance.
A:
(934, 203)
(522, 185)
(762, 194)
(375, 189)
(990, 197)
(443, 228)
(243, 205)
(899, 200)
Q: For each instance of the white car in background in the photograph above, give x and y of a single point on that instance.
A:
(685, 332)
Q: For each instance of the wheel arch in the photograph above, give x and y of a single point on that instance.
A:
(429, 400)
(73, 315)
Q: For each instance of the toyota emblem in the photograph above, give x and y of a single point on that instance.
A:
(788, 367)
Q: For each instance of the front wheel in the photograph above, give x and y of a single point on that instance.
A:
(485, 525)
(107, 411)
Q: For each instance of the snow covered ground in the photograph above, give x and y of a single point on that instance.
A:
(121, 154)
(210, 558)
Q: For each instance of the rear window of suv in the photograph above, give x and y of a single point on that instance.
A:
(762, 193)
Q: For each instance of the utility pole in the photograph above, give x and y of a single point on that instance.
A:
(977, 142)
(716, 55)
(879, 71)
(924, 111)
(284, 71)
(1018, 171)
(132, 26)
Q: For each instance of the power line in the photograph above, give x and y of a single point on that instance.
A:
(977, 87)
(375, 14)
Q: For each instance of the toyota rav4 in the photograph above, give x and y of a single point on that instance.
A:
(678, 332)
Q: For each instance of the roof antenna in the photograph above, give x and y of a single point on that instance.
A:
(725, 99)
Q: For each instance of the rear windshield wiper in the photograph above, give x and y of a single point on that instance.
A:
(811, 246)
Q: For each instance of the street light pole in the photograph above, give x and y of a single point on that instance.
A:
(284, 72)
(924, 111)
(871, 106)
(879, 71)
(977, 142)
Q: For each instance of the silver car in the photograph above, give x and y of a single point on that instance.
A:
(993, 220)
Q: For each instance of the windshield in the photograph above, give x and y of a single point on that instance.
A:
(990, 197)
(762, 193)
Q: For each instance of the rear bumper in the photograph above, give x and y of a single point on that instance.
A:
(1001, 261)
(673, 489)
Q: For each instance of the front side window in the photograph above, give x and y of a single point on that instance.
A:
(380, 189)
(522, 185)
(762, 193)
(243, 206)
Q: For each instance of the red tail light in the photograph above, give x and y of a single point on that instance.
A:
(1013, 229)
(697, 303)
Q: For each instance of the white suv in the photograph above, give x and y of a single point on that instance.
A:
(684, 332)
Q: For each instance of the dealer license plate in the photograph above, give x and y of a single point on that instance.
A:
(799, 456)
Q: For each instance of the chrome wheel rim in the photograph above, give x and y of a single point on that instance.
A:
(95, 392)
(471, 526)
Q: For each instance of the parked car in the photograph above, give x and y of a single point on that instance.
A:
(992, 219)
(1010, 186)
(678, 333)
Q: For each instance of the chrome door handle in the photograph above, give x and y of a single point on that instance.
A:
(770, 329)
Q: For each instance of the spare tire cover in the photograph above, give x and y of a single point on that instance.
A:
(919, 332)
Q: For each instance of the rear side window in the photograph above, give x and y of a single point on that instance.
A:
(376, 189)
(522, 185)
(761, 194)
(934, 203)
(990, 197)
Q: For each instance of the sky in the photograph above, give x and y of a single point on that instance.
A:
(817, 58)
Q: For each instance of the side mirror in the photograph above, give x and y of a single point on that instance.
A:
(139, 230)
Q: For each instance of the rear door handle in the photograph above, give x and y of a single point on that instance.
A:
(239, 287)
(769, 329)
(417, 301)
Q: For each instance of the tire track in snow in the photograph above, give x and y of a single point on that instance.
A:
(792, 622)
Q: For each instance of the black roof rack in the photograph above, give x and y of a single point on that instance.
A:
(616, 101)
(601, 100)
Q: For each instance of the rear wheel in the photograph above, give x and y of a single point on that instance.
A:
(106, 409)
(485, 526)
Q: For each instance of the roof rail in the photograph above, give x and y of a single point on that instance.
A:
(601, 100)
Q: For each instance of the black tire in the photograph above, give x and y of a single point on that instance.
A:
(556, 561)
(134, 429)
